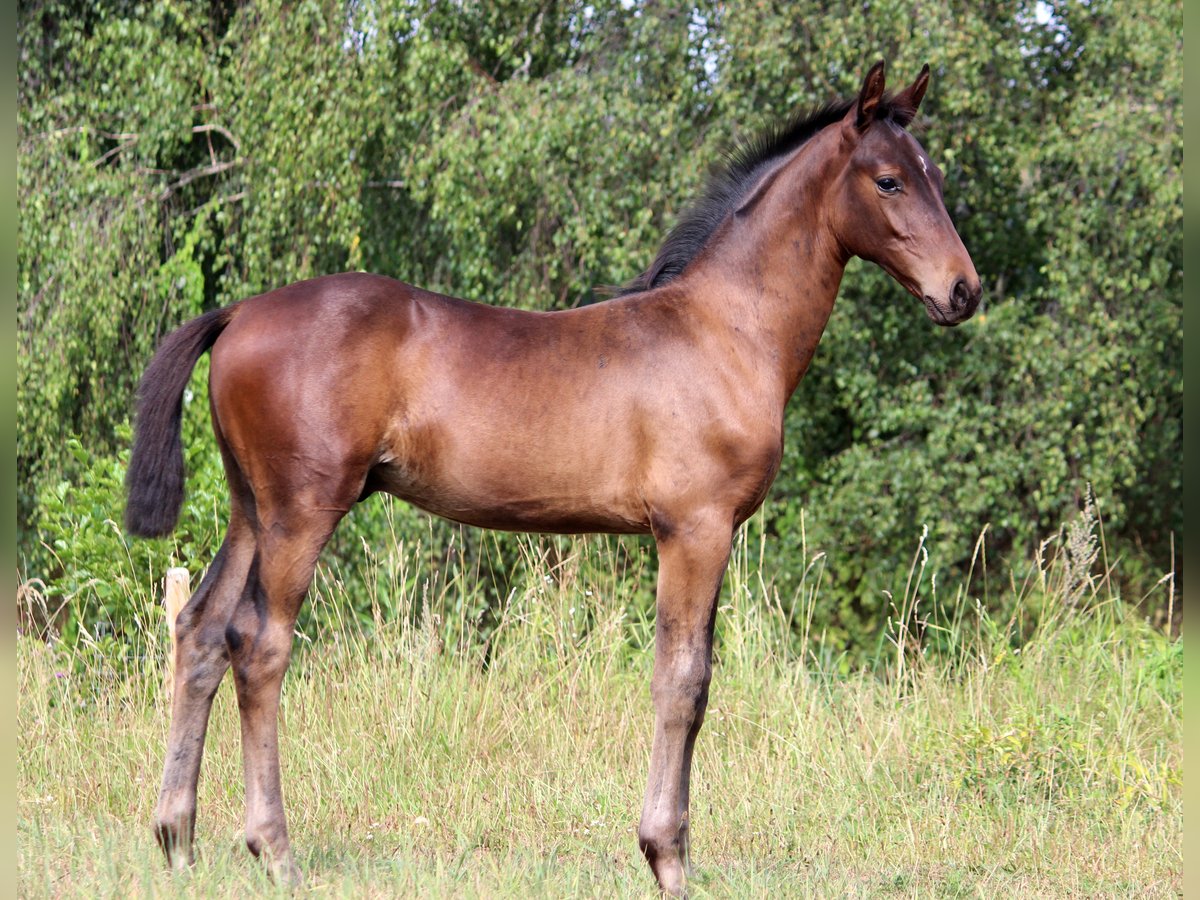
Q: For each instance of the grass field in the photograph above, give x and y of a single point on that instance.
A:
(1052, 769)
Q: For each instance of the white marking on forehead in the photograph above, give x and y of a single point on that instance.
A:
(923, 169)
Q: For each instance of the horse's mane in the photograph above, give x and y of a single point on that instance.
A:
(730, 183)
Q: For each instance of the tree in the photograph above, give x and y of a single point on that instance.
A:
(176, 157)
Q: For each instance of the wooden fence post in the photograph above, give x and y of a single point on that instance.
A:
(175, 597)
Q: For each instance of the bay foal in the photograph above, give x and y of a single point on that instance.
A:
(660, 411)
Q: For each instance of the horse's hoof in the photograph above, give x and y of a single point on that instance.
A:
(287, 874)
(175, 846)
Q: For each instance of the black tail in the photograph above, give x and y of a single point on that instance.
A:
(155, 477)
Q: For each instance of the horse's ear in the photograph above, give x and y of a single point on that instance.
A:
(869, 96)
(908, 101)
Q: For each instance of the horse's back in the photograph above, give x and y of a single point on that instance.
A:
(563, 421)
(349, 383)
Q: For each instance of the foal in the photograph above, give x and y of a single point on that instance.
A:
(658, 411)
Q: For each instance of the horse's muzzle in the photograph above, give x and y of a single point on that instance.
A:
(959, 306)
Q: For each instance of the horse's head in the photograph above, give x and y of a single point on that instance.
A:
(890, 209)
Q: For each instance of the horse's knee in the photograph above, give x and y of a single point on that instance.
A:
(680, 692)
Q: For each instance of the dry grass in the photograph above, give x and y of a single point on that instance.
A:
(413, 769)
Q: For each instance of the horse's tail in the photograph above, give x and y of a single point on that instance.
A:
(155, 477)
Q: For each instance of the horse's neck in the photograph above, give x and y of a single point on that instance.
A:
(774, 270)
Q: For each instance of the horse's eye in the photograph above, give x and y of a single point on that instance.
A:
(887, 184)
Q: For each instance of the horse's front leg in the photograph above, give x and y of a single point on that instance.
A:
(692, 560)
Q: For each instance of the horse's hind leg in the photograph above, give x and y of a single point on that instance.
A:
(260, 640)
(201, 659)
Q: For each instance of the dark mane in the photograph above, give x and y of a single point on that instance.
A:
(729, 183)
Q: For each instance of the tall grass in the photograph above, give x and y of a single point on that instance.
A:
(1040, 755)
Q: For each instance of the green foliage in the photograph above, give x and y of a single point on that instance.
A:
(1063, 156)
(105, 585)
(179, 156)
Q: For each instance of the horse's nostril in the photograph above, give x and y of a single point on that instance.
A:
(960, 294)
